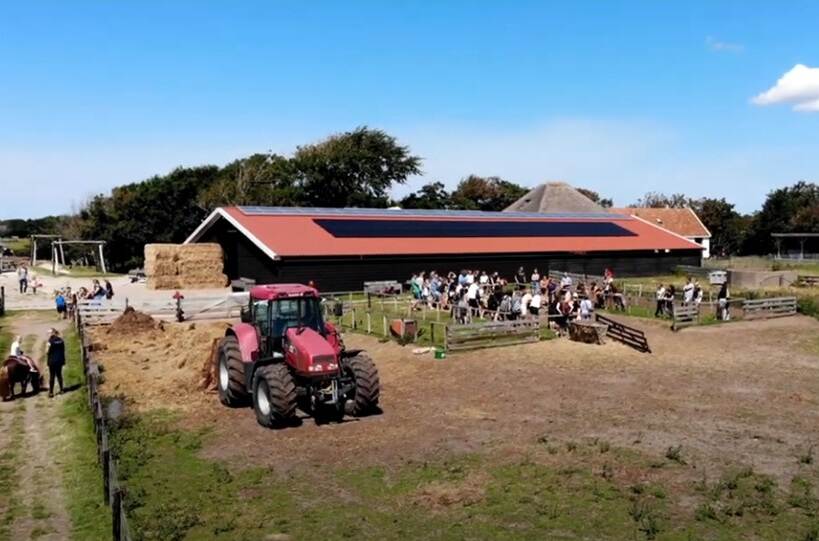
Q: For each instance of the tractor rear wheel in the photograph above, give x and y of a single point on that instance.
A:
(231, 373)
(363, 399)
(274, 396)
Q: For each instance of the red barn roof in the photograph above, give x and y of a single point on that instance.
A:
(296, 231)
(682, 221)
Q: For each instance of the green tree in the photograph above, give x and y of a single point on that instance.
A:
(430, 196)
(260, 179)
(660, 200)
(160, 209)
(606, 203)
(355, 168)
(792, 209)
(725, 224)
(485, 193)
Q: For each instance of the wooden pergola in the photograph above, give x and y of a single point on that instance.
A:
(778, 238)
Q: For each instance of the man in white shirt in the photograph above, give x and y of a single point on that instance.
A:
(534, 304)
(660, 295)
(566, 281)
(525, 301)
(688, 292)
(586, 308)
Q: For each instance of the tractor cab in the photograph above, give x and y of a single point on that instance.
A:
(275, 308)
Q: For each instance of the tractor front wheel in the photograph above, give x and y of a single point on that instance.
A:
(363, 399)
(274, 396)
(231, 373)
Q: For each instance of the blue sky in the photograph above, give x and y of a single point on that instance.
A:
(620, 97)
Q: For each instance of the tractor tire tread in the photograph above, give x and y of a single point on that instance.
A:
(283, 396)
(235, 394)
(368, 385)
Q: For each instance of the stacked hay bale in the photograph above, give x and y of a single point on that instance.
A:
(184, 266)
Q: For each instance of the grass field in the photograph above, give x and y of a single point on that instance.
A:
(549, 440)
(76, 444)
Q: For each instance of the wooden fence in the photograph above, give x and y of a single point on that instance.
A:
(491, 334)
(766, 308)
(194, 307)
(809, 281)
(2, 301)
(629, 336)
(113, 491)
(684, 315)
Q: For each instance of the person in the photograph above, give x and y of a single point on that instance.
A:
(56, 360)
(670, 293)
(22, 277)
(520, 278)
(660, 296)
(516, 305)
(60, 302)
(109, 290)
(586, 308)
(698, 293)
(688, 292)
(566, 281)
(472, 299)
(534, 304)
(535, 279)
(524, 303)
(16, 347)
(722, 303)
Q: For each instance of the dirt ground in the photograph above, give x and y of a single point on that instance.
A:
(37, 508)
(744, 393)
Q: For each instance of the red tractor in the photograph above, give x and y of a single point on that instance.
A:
(284, 355)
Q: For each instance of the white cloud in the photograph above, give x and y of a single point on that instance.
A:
(799, 86)
(723, 46)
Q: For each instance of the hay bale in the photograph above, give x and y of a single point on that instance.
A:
(155, 252)
(189, 267)
(162, 282)
(162, 267)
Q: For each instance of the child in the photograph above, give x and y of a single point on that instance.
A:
(60, 302)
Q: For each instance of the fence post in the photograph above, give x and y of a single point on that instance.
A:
(385, 326)
(352, 311)
(116, 514)
(369, 323)
(106, 469)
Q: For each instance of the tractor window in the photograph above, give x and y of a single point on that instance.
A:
(301, 311)
(260, 316)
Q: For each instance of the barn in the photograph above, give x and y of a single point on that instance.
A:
(340, 249)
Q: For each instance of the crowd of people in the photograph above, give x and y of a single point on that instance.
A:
(66, 299)
(692, 294)
(478, 293)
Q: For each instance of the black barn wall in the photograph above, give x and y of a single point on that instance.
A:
(244, 259)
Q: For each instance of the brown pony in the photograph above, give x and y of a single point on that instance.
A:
(16, 370)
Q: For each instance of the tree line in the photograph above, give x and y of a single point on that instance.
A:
(358, 169)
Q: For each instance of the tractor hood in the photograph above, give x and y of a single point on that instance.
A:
(309, 353)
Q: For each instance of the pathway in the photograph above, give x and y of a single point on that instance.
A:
(35, 506)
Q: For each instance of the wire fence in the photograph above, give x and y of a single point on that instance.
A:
(113, 490)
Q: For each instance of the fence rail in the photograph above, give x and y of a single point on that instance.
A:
(772, 307)
(810, 281)
(684, 315)
(113, 491)
(495, 333)
(104, 311)
(629, 336)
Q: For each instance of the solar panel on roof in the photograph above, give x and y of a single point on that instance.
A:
(315, 211)
(363, 228)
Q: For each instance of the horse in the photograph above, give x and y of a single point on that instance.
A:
(18, 370)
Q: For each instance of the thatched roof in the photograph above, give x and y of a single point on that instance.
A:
(554, 197)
